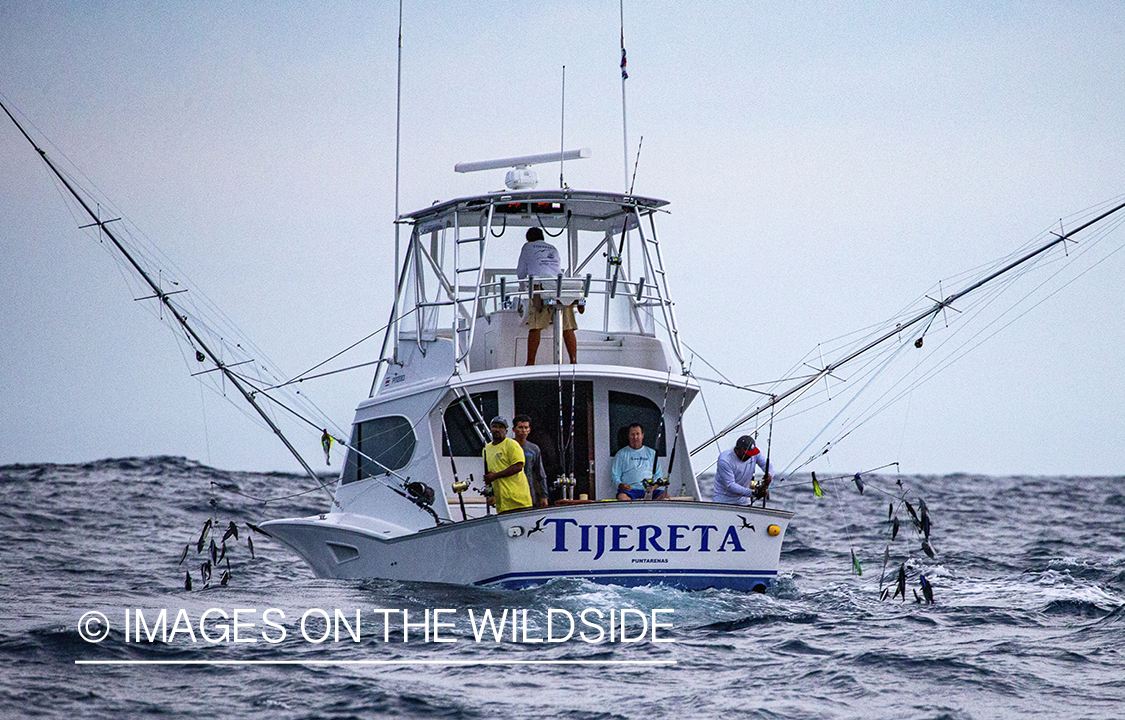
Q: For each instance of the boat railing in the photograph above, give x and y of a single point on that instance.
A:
(627, 305)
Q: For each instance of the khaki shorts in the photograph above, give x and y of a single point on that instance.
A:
(540, 319)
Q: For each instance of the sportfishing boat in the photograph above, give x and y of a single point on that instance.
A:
(455, 355)
(410, 502)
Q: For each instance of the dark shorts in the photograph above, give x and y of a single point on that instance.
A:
(640, 494)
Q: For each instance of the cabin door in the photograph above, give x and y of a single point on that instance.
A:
(552, 430)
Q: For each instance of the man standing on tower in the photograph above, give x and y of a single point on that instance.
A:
(540, 260)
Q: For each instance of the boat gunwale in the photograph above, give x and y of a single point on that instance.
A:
(319, 520)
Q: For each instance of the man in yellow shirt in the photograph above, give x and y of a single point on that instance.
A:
(503, 464)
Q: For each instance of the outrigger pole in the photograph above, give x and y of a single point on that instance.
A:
(167, 302)
(930, 313)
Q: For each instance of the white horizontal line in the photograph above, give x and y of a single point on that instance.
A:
(375, 662)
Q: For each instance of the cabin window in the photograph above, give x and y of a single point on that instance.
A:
(388, 444)
(626, 409)
(463, 438)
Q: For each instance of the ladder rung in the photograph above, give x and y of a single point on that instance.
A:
(469, 240)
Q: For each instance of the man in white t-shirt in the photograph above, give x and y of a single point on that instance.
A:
(540, 260)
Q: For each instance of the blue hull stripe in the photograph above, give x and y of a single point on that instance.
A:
(692, 579)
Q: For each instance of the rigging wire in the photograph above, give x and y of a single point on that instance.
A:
(134, 246)
(967, 303)
(300, 377)
(914, 380)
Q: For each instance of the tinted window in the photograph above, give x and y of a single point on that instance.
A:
(626, 409)
(463, 438)
(388, 444)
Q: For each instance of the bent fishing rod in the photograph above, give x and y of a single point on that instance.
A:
(929, 313)
(166, 300)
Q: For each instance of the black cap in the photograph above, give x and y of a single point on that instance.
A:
(744, 443)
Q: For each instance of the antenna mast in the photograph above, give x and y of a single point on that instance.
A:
(398, 153)
(624, 77)
(562, 130)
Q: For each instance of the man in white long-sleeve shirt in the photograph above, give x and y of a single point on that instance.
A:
(735, 471)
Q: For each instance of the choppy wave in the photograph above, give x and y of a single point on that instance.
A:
(1029, 585)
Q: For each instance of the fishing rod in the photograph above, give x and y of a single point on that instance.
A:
(570, 448)
(765, 488)
(660, 427)
(660, 432)
(928, 313)
(676, 436)
(458, 486)
(561, 458)
(166, 301)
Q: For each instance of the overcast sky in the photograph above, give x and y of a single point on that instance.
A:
(826, 164)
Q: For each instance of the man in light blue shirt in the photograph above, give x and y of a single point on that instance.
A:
(633, 465)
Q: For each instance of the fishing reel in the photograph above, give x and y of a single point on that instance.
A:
(761, 490)
(654, 484)
(460, 486)
(420, 493)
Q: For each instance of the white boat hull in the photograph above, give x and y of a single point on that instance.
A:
(690, 545)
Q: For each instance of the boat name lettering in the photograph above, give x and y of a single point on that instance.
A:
(600, 539)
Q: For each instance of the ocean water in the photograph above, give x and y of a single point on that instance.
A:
(1028, 578)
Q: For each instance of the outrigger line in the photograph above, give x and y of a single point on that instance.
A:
(920, 519)
(166, 301)
(925, 316)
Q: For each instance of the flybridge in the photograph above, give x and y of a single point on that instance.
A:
(458, 279)
(581, 209)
